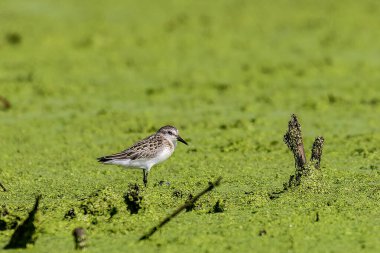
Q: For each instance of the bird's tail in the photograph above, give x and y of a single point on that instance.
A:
(104, 159)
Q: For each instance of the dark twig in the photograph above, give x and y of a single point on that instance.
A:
(24, 234)
(187, 204)
(3, 187)
(316, 151)
(79, 238)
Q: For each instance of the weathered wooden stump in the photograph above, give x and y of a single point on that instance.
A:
(293, 139)
(80, 238)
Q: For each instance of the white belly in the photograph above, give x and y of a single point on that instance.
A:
(162, 156)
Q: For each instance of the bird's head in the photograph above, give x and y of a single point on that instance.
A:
(171, 133)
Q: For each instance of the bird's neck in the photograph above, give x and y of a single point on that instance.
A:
(172, 143)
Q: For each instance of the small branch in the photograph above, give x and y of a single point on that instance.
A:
(24, 233)
(3, 187)
(79, 238)
(187, 204)
(316, 151)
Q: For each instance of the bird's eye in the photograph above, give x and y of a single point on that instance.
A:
(171, 133)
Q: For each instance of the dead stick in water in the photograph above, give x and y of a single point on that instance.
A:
(3, 187)
(188, 203)
(293, 139)
(316, 152)
(79, 238)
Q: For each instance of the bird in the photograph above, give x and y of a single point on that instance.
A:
(147, 152)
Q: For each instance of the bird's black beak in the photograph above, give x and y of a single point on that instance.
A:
(181, 140)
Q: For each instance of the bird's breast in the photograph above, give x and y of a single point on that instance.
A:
(163, 155)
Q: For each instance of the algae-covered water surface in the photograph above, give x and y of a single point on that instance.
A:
(81, 79)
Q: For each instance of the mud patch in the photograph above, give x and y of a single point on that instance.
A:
(219, 207)
(13, 38)
(70, 214)
(133, 199)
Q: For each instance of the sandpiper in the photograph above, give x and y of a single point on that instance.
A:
(147, 152)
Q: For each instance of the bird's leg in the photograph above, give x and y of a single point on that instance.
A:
(145, 178)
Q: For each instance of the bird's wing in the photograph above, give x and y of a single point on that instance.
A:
(146, 148)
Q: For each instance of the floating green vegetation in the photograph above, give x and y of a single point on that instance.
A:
(79, 80)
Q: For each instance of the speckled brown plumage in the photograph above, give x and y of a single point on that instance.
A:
(144, 149)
